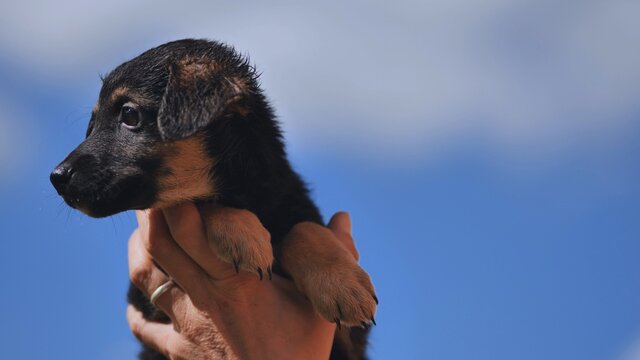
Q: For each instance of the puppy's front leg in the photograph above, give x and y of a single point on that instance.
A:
(239, 238)
(327, 273)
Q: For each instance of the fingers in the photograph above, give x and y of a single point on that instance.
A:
(157, 244)
(147, 277)
(340, 225)
(153, 334)
(187, 228)
(341, 221)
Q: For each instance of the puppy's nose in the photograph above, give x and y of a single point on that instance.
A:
(60, 178)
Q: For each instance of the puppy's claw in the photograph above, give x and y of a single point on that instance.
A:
(269, 272)
(364, 325)
(238, 237)
(338, 324)
(345, 293)
(373, 320)
(375, 298)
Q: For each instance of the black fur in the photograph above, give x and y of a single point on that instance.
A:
(115, 168)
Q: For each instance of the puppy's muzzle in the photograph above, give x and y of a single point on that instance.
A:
(75, 179)
(98, 187)
(61, 177)
(65, 177)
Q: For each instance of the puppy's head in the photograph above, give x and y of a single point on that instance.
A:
(147, 140)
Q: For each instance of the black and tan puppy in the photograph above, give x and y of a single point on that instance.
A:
(187, 121)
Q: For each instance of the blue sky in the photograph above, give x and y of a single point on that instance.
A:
(488, 155)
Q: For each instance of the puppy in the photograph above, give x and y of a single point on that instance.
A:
(187, 121)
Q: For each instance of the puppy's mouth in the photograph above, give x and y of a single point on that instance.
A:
(127, 194)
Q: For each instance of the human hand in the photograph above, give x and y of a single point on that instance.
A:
(216, 313)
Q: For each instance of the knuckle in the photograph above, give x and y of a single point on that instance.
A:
(139, 275)
(136, 328)
(153, 245)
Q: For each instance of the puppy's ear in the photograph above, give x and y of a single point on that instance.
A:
(196, 94)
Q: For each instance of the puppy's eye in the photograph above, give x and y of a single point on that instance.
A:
(130, 117)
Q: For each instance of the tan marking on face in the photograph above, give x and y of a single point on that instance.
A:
(117, 93)
(125, 92)
(188, 171)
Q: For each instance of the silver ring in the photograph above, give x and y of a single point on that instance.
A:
(161, 290)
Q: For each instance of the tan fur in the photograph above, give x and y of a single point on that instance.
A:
(118, 93)
(239, 238)
(186, 173)
(234, 104)
(124, 92)
(191, 68)
(324, 270)
(236, 236)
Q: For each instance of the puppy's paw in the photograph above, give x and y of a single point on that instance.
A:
(342, 293)
(329, 275)
(239, 238)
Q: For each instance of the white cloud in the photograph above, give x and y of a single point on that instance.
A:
(388, 78)
(632, 351)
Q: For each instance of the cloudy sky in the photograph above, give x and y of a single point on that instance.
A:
(410, 76)
(489, 147)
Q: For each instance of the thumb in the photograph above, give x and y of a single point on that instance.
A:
(340, 225)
